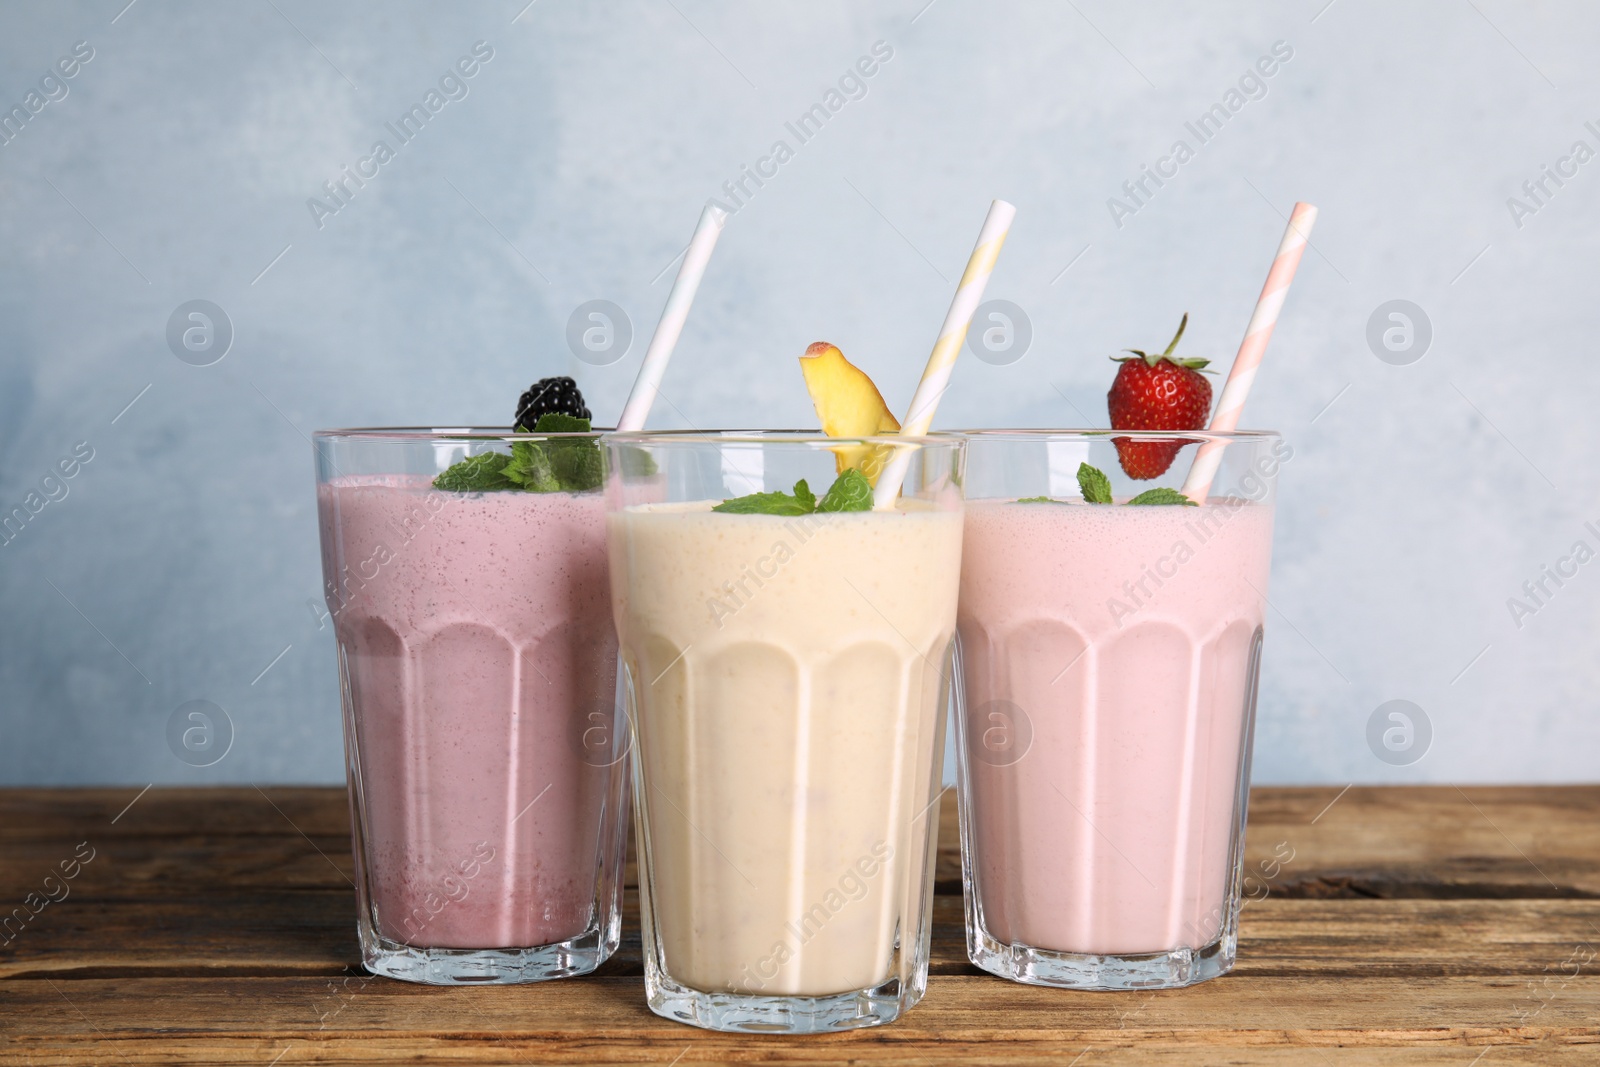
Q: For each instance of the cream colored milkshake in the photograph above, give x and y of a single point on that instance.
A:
(789, 679)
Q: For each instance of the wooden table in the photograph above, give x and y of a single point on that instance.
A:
(1418, 925)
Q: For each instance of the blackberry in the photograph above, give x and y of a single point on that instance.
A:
(550, 396)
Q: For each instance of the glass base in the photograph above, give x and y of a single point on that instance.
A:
(1082, 970)
(752, 1014)
(486, 966)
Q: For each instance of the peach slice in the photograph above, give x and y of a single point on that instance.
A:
(849, 405)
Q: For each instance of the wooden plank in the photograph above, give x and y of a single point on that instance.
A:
(264, 1052)
(147, 867)
(1432, 841)
(581, 1021)
(172, 811)
(300, 933)
(1408, 926)
(1422, 938)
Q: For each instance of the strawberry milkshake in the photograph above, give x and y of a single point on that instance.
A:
(1109, 655)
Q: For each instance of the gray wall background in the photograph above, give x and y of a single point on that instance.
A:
(182, 563)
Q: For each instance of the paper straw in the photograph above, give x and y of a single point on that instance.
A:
(1243, 373)
(673, 316)
(952, 335)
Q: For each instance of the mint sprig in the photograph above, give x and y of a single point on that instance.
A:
(801, 502)
(850, 492)
(570, 465)
(1163, 496)
(531, 469)
(637, 463)
(555, 422)
(1094, 484)
(477, 474)
(1096, 488)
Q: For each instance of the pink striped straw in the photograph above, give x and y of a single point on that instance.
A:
(1254, 346)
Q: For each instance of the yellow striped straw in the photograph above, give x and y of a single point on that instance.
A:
(952, 335)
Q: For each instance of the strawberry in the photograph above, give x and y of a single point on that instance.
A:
(1156, 392)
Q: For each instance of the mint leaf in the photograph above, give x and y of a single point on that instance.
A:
(482, 473)
(637, 463)
(574, 465)
(1096, 487)
(577, 464)
(801, 502)
(1039, 500)
(849, 492)
(555, 422)
(569, 464)
(1163, 496)
(530, 468)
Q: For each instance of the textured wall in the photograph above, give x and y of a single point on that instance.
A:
(177, 162)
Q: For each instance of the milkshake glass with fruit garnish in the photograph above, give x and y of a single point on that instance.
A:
(1110, 643)
(787, 654)
(1111, 636)
(466, 578)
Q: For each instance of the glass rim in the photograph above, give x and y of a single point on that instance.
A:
(771, 437)
(1029, 434)
(447, 433)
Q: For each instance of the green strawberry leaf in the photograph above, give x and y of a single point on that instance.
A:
(1182, 325)
(1163, 496)
(482, 473)
(1152, 358)
(801, 502)
(1039, 500)
(850, 492)
(1096, 487)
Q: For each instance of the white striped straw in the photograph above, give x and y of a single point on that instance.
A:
(1254, 346)
(952, 335)
(673, 316)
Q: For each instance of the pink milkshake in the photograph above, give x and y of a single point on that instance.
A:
(1109, 655)
(478, 663)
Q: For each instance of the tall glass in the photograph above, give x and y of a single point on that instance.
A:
(1109, 661)
(477, 668)
(787, 680)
